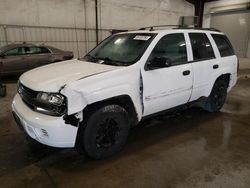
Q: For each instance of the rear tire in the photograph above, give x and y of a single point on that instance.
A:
(217, 97)
(106, 131)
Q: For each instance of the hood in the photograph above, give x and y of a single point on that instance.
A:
(51, 78)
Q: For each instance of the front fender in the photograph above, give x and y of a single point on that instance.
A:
(77, 100)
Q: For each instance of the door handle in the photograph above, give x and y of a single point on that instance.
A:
(185, 73)
(215, 66)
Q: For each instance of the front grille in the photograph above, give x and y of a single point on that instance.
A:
(27, 91)
(28, 96)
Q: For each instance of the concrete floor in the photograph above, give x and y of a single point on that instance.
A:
(191, 148)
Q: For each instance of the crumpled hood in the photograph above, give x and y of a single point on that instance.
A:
(51, 78)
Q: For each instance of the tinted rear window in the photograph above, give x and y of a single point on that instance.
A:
(201, 46)
(224, 46)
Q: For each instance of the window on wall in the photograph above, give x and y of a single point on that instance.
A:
(223, 44)
(171, 47)
(201, 46)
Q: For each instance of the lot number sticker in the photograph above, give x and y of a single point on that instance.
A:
(141, 37)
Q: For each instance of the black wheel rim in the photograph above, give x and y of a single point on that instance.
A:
(107, 133)
(219, 96)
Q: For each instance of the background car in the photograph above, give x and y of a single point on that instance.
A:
(18, 58)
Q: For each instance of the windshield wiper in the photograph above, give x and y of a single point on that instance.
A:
(109, 61)
(104, 60)
(90, 56)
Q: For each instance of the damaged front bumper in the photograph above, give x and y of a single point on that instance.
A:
(48, 130)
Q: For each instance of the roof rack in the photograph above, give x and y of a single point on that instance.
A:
(151, 28)
(199, 28)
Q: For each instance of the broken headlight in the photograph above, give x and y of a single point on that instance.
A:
(51, 98)
(51, 103)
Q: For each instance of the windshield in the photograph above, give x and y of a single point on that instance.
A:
(121, 49)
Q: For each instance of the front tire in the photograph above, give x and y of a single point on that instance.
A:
(106, 131)
(217, 97)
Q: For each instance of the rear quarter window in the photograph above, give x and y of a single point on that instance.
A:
(223, 44)
(44, 50)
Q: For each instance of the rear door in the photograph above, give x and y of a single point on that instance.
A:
(167, 86)
(13, 61)
(204, 64)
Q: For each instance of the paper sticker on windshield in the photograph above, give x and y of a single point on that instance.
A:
(142, 37)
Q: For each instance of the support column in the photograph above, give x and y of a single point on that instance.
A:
(96, 21)
(199, 9)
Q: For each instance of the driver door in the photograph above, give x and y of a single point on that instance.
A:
(167, 77)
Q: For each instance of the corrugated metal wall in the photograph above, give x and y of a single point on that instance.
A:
(78, 40)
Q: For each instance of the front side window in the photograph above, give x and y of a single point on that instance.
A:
(120, 49)
(201, 46)
(15, 52)
(223, 44)
(169, 51)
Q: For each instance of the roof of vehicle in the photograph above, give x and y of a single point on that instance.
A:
(14, 45)
(10, 46)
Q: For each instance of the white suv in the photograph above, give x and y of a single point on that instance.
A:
(93, 102)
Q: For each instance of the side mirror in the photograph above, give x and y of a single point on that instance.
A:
(159, 62)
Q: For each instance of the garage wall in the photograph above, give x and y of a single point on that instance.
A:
(134, 14)
(70, 25)
(231, 24)
(230, 21)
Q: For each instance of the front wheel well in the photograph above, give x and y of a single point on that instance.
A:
(124, 101)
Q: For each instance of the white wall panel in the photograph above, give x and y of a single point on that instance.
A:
(69, 25)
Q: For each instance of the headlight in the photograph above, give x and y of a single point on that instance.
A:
(51, 98)
(50, 103)
(53, 104)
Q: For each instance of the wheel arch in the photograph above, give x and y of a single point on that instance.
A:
(124, 101)
(226, 77)
(208, 102)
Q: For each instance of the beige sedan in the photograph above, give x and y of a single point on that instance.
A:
(18, 58)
